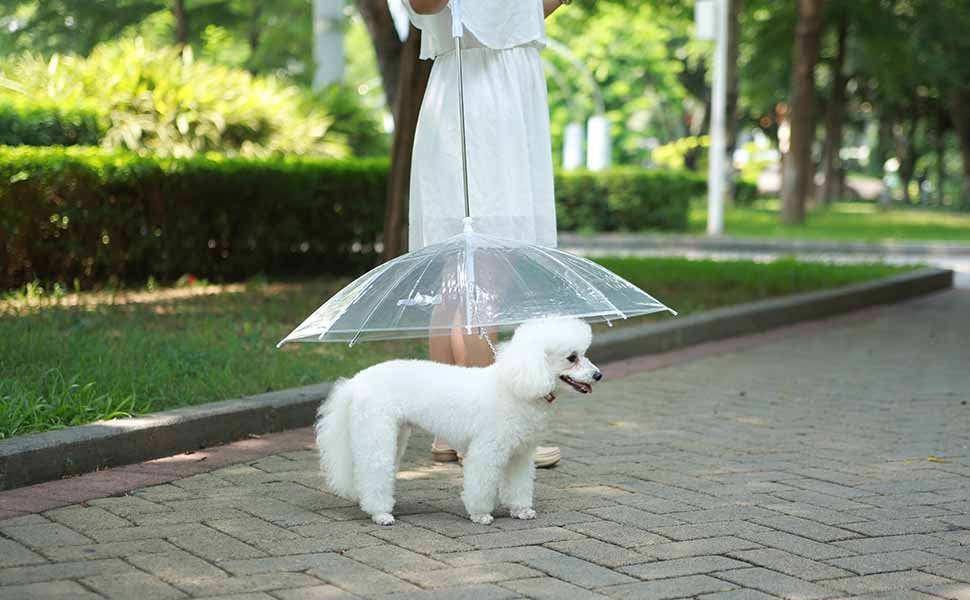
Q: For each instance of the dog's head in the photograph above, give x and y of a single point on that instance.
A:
(547, 354)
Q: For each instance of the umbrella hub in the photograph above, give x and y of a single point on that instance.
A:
(467, 225)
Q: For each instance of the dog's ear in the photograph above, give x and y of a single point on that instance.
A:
(524, 370)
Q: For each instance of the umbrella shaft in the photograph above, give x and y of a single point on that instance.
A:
(461, 128)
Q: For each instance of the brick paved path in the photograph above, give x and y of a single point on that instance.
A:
(825, 461)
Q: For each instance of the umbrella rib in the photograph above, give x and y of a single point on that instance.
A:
(416, 282)
(592, 287)
(378, 303)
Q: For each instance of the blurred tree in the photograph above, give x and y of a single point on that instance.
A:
(799, 169)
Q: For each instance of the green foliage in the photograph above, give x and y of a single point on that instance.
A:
(691, 153)
(640, 77)
(164, 102)
(97, 216)
(354, 121)
(625, 199)
(46, 124)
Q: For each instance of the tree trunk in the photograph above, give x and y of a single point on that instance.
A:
(834, 120)
(733, 87)
(799, 170)
(387, 44)
(412, 81)
(181, 23)
(960, 114)
(940, 139)
(906, 155)
(255, 29)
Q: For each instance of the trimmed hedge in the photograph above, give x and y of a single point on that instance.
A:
(85, 213)
(39, 125)
(81, 213)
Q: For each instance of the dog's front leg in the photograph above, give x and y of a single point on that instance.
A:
(483, 472)
(517, 486)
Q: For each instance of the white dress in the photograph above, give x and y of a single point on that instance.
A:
(510, 177)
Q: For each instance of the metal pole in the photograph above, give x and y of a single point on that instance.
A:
(716, 157)
(461, 129)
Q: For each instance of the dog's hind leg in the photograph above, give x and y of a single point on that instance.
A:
(517, 484)
(375, 460)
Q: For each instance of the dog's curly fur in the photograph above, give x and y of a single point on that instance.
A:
(494, 415)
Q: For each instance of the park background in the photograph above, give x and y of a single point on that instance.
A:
(182, 181)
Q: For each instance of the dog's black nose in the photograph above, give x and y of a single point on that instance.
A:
(597, 376)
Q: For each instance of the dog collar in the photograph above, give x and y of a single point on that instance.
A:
(549, 397)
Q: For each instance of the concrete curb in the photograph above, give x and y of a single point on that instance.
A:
(40, 457)
(51, 455)
(612, 242)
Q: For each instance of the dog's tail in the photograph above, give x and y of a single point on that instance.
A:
(333, 440)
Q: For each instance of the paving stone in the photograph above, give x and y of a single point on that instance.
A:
(550, 588)
(518, 554)
(486, 591)
(45, 535)
(109, 550)
(745, 594)
(13, 554)
(614, 533)
(359, 578)
(293, 563)
(393, 559)
(664, 589)
(317, 592)
(790, 564)
(882, 582)
(52, 590)
(957, 570)
(176, 567)
(86, 518)
(806, 528)
(599, 552)
(246, 584)
(886, 561)
(677, 567)
(709, 530)
(890, 543)
(950, 591)
(132, 585)
(714, 545)
(128, 505)
(539, 535)
(419, 539)
(576, 571)
(214, 545)
(64, 570)
(453, 576)
(777, 584)
(798, 545)
(898, 527)
(627, 515)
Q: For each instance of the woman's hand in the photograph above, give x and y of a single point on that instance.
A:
(429, 7)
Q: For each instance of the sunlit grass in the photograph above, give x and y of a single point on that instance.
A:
(67, 358)
(845, 221)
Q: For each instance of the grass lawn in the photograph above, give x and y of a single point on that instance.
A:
(78, 358)
(850, 221)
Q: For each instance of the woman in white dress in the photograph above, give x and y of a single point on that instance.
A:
(510, 178)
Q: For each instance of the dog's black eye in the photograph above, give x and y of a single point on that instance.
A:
(572, 357)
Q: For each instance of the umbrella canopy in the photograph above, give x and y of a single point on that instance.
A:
(473, 281)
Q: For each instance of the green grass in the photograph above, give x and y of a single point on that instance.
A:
(849, 221)
(78, 358)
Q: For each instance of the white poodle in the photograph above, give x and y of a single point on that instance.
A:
(494, 415)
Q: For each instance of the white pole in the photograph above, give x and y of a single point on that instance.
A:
(716, 158)
(328, 42)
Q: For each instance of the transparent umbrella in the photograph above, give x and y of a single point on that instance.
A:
(476, 282)
(471, 281)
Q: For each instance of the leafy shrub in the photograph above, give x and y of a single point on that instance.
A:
(691, 153)
(84, 213)
(162, 101)
(625, 199)
(97, 216)
(40, 124)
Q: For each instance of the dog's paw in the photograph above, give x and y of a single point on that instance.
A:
(525, 514)
(485, 519)
(383, 519)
